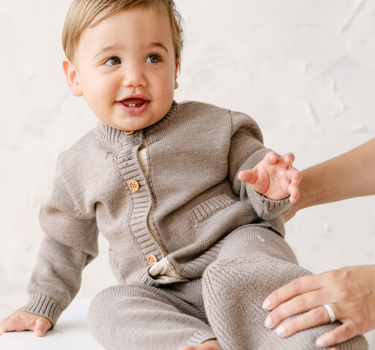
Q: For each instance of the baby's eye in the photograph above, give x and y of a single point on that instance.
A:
(153, 59)
(113, 61)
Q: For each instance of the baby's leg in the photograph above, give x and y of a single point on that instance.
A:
(146, 317)
(253, 262)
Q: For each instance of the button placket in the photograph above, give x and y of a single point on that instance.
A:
(152, 260)
(136, 182)
(134, 186)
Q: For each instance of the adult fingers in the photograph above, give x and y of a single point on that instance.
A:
(313, 318)
(296, 287)
(347, 330)
(42, 325)
(249, 176)
(296, 305)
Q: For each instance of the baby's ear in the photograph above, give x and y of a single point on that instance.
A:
(72, 78)
(177, 71)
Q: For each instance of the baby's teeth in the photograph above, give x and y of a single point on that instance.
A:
(131, 105)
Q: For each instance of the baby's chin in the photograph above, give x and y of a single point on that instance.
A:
(130, 123)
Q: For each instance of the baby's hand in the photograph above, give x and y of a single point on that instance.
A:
(25, 321)
(273, 178)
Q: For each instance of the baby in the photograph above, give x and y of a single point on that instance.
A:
(186, 194)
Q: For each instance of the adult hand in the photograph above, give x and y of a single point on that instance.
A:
(350, 291)
(25, 321)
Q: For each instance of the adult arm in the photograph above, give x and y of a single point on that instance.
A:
(346, 176)
(350, 290)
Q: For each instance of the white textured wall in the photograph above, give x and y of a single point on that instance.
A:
(304, 69)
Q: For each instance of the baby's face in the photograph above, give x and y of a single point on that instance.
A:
(126, 69)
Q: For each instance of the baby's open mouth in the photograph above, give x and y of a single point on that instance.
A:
(134, 105)
(134, 102)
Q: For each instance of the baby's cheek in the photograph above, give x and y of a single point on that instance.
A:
(102, 94)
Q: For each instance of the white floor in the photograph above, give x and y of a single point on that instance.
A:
(71, 333)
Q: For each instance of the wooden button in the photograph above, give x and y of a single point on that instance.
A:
(130, 132)
(134, 185)
(152, 260)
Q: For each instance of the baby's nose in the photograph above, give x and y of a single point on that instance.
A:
(134, 77)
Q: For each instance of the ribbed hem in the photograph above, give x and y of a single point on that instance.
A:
(154, 127)
(200, 337)
(43, 305)
(146, 279)
(270, 208)
(109, 134)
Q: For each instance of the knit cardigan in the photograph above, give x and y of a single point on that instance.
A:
(194, 155)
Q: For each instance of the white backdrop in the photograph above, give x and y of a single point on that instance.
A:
(304, 69)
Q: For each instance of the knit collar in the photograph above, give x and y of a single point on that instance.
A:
(114, 135)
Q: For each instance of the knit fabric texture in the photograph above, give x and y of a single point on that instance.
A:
(253, 263)
(194, 155)
(226, 304)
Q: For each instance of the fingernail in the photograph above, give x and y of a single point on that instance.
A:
(266, 304)
(320, 343)
(280, 330)
(268, 322)
(39, 332)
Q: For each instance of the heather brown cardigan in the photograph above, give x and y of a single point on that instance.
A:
(194, 155)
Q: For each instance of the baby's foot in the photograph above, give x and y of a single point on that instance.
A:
(208, 345)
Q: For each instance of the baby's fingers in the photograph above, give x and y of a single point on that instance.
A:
(249, 176)
(271, 158)
(294, 193)
(287, 159)
(295, 178)
(24, 321)
(11, 324)
(42, 325)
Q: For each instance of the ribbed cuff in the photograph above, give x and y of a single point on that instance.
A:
(43, 305)
(268, 209)
(200, 337)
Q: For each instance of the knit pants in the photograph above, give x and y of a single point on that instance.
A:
(225, 304)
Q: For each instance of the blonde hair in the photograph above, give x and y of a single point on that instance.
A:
(86, 13)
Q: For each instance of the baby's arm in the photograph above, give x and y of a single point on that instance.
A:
(273, 178)
(69, 244)
(25, 321)
(246, 151)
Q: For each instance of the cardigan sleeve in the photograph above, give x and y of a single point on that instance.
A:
(246, 151)
(70, 242)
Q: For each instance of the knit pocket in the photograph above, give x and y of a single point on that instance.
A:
(209, 207)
